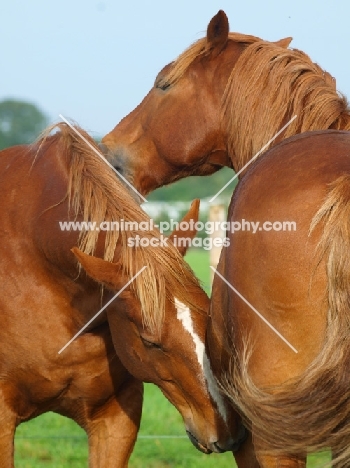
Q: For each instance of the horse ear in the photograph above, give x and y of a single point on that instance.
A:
(101, 271)
(284, 42)
(217, 32)
(191, 218)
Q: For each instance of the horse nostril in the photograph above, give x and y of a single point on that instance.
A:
(103, 148)
(113, 158)
(118, 168)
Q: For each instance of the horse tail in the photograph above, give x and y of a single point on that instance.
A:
(312, 411)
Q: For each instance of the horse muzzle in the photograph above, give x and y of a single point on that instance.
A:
(216, 446)
(197, 444)
(124, 175)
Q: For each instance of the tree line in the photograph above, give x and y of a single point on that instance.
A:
(20, 122)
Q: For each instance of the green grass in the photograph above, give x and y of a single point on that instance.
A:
(199, 261)
(152, 450)
(56, 442)
(196, 187)
(160, 418)
(50, 440)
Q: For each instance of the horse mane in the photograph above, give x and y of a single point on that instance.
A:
(96, 194)
(270, 84)
(290, 83)
(196, 50)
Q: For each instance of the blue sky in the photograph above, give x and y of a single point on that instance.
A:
(94, 60)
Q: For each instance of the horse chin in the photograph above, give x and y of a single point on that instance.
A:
(197, 444)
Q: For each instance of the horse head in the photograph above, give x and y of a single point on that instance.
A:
(172, 354)
(177, 130)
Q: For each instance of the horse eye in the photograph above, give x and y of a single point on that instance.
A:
(161, 84)
(150, 344)
(164, 86)
(161, 79)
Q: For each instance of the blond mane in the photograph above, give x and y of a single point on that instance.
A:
(267, 87)
(194, 51)
(96, 194)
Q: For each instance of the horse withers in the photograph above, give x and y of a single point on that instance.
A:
(46, 299)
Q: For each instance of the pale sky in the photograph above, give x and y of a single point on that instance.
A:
(94, 60)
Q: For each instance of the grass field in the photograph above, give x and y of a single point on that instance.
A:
(199, 261)
(56, 442)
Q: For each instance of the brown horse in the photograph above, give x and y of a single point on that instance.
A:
(46, 299)
(299, 281)
(218, 104)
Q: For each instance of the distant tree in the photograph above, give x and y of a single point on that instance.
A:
(196, 187)
(20, 122)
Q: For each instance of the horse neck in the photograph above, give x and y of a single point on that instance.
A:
(261, 98)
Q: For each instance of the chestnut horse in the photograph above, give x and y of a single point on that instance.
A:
(218, 104)
(158, 323)
(299, 281)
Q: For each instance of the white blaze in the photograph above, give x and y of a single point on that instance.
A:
(184, 315)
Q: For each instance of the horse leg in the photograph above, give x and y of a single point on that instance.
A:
(282, 462)
(7, 433)
(268, 461)
(271, 461)
(112, 429)
(245, 456)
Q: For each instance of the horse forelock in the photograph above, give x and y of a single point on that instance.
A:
(268, 85)
(96, 195)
